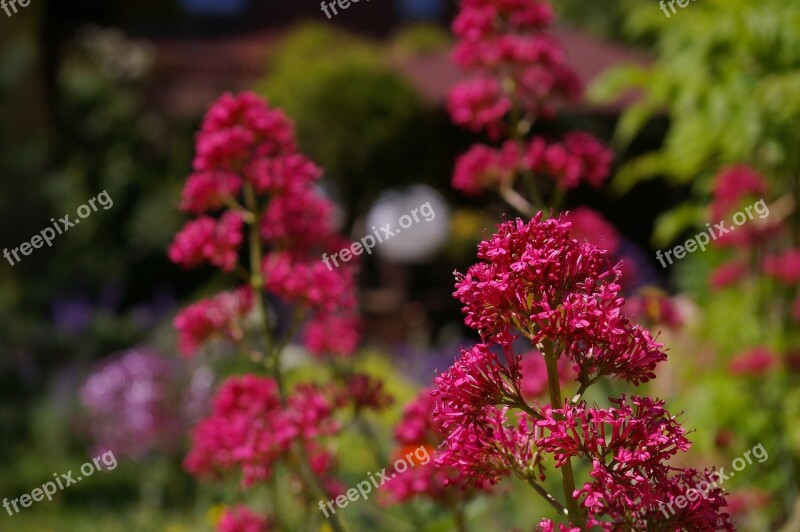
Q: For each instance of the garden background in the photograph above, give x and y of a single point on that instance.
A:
(701, 110)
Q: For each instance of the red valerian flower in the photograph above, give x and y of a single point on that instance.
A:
(290, 173)
(652, 306)
(726, 275)
(242, 519)
(581, 157)
(241, 127)
(588, 225)
(785, 266)
(301, 221)
(635, 501)
(478, 104)
(536, 279)
(483, 167)
(533, 370)
(546, 525)
(629, 448)
(639, 437)
(733, 184)
(754, 362)
(309, 282)
(249, 429)
(476, 379)
(491, 448)
(418, 424)
(328, 333)
(364, 392)
(221, 315)
(208, 191)
(209, 240)
(419, 428)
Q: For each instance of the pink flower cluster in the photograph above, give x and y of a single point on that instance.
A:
(629, 448)
(515, 61)
(249, 175)
(734, 184)
(432, 481)
(242, 519)
(754, 362)
(538, 282)
(250, 431)
(220, 316)
(580, 157)
(734, 188)
(519, 68)
(784, 267)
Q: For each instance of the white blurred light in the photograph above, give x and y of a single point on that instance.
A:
(426, 218)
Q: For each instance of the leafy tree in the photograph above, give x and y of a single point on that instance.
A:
(728, 76)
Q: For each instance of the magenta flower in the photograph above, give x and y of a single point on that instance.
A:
(580, 158)
(546, 525)
(477, 379)
(208, 191)
(439, 483)
(247, 163)
(250, 431)
(734, 184)
(483, 167)
(726, 275)
(533, 370)
(302, 221)
(208, 240)
(491, 448)
(754, 362)
(291, 173)
(478, 104)
(537, 280)
(242, 519)
(239, 128)
(219, 316)
(588, 225)
(784, 267)
(332, 334)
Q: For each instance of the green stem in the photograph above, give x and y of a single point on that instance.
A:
(548, 497)
(460, 518)
(274, 350)
(257, 284)
(567, 476)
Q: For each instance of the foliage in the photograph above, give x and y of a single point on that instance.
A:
(363, 123)
(728, 76)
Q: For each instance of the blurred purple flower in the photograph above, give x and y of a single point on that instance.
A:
(139, 402)
(72, 315)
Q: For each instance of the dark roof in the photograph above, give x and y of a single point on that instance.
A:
(191, 73)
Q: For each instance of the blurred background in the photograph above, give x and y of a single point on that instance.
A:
(107, 96)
